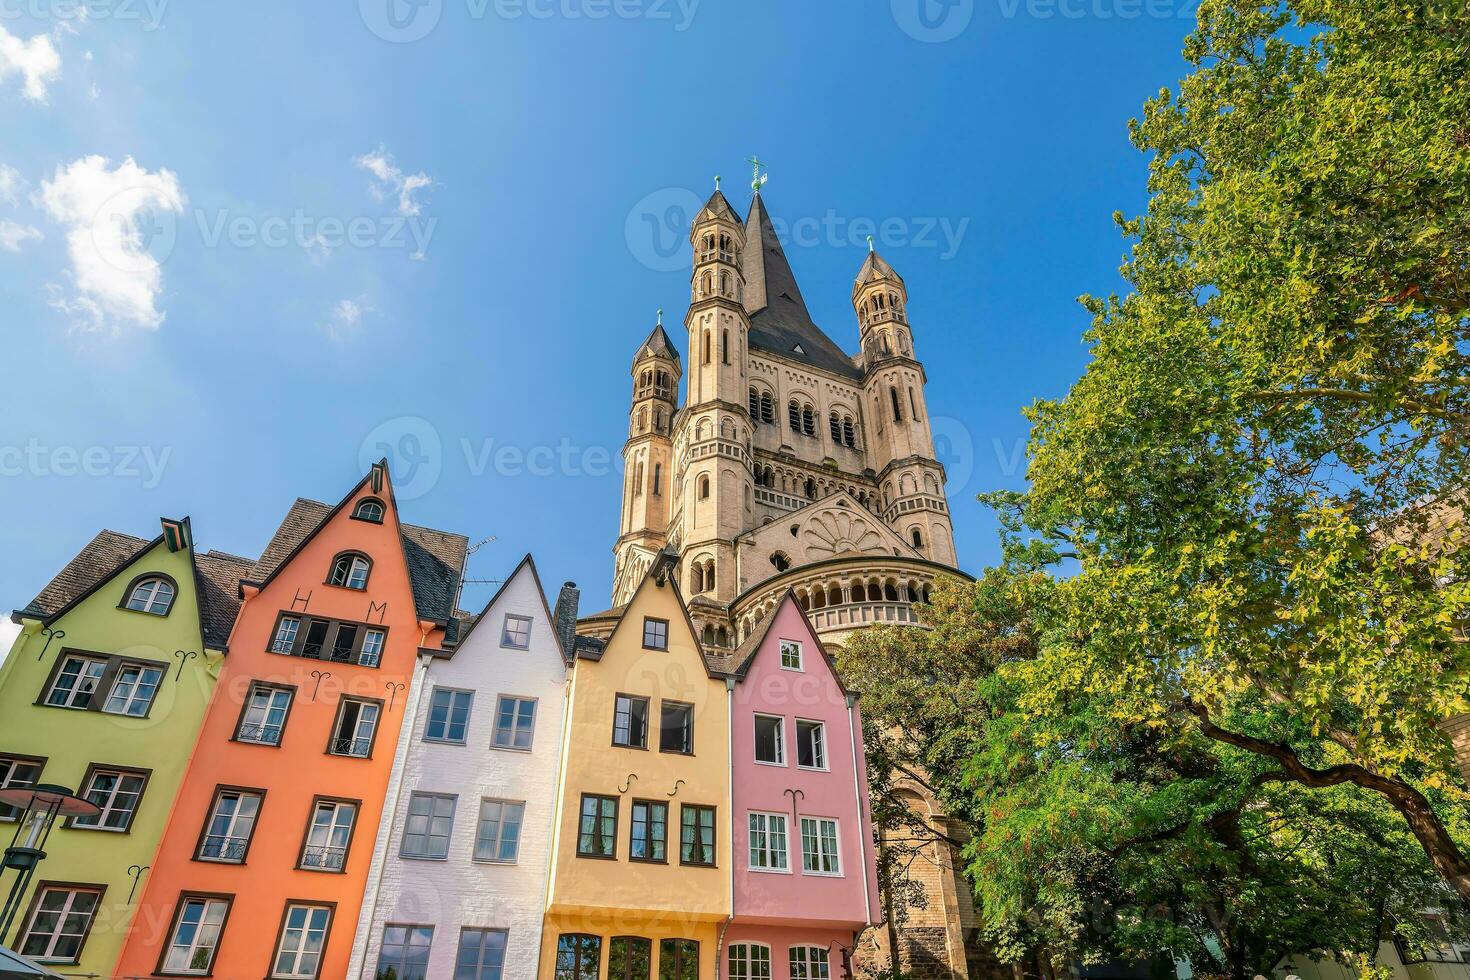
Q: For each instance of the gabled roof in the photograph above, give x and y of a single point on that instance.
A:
(779, 320)
(526, 562)
(873, 269)
(660, 569)
(435, 559)
(745, 654)
(216, 581)
(720, 207)
(658, 344)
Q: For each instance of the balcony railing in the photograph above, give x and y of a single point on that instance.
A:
(324, 858)
(229, 850)
(357, 748)
(260, 734)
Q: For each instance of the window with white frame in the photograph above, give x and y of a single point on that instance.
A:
(515, 722)
(264, 717)
(76, 681)
(809, 963)
(811, 744)
(154, 594)
(770, 740)
(17, 771)
(329, 835)
(372, 648)
(430, 821)
(59, 924)
(350, 571)
(133, 689)
(819, 846)
(116, 792)
(768, 848)
(481, 954)
(449, 716)
(516, 632)
(790, 655)
(230, 826)
(369, 510)
(285, 637)
(498, 834)
(195, 936)
(303, 937)
(750, 961)
(357, 724)
(404, 954)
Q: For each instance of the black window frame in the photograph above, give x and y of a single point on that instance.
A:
(633, 822)
(714, 834)
(664, 707)
(598, 816)
(585, 950)
(641, 741)
(657, 630)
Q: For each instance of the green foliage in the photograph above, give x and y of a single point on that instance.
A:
(1218, 733)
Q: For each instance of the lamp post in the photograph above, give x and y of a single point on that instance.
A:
(40, 805)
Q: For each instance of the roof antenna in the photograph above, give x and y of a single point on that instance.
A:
(480, 544)
(870, 243)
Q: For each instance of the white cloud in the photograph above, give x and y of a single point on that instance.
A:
(389, 178)
(8, 632)
(345, 316)
(37, 61)
(11, 183)
(120, 222)
(93, 91)
(13, 235)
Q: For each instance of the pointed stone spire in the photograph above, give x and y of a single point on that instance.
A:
(874, 269)
(658, 344)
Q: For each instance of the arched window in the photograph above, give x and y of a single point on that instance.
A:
(658, 471)
(887, 348)
(704, 488)
(369, 509)
(835, 425)
(913, 405)
(704, 349)
(780, 560)
(642, 422)
(724, 284)
(893, 397)
(350, 571)
(811, 488)
(768, 408)
(808, 421)
(849, 437)
(638, 480)
(704, 284)
(793, 415)
(661, 384)
(725, 346)
(709, 576)
(151, 594)
(755, 404)
(707, 635)
(918, 538)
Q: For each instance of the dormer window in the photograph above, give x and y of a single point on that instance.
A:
(152, 594)
(369, 509)
(350, 571)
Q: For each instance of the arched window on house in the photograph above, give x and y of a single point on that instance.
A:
(369, 509)
(350, 570)
(151, 594)
(704, 488)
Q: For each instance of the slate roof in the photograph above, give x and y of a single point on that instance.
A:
(657, 344)
(217, 578)
(874, 268)
(779, 320)
(435, 558)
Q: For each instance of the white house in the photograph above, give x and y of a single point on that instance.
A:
(460, 863)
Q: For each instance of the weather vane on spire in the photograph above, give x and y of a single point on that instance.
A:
(660, 317)
(870, 243)
(756, 177)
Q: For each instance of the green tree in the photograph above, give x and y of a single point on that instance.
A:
(1261, 476)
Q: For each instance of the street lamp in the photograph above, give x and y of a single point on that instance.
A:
(40, 805)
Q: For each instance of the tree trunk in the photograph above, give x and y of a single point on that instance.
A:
(1423, 822)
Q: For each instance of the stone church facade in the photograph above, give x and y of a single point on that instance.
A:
(790, 464)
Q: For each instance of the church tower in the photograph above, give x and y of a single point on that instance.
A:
(648, 456)
(910, 479)
(712, 443)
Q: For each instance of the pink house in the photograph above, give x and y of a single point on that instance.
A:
(805, 879)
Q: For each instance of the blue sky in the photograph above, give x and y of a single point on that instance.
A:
(439, 230)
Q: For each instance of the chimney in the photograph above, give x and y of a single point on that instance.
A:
(565, 616)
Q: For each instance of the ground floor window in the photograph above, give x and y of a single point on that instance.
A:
(578, 956)
(629, 958)
(750, 961)
(404, 954)
(60, 919)
(678, 959)
(809, 963)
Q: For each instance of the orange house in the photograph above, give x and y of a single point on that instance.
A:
(262, 867)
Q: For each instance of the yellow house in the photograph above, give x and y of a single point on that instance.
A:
(641, 860)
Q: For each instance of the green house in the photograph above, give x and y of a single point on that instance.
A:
(104, 692)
